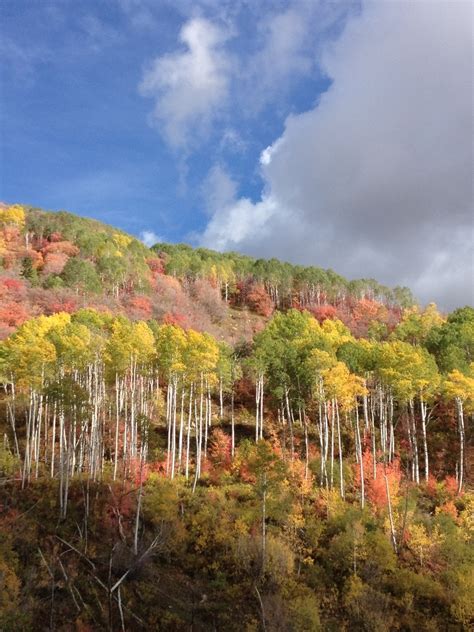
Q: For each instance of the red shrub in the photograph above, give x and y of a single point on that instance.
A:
(376, 489)
(258, 300)
(13, 314)
(54, 263)
(139, 307)
(156, 265)
(220, 449)
(175, 319)
(64, 247)
(324, 312)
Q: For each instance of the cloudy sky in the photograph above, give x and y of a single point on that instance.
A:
(338, 134)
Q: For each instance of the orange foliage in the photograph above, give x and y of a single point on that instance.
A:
(175, 319)
(376, 488)
(324, 312)
(64, 247)
(451, 485)
(10, 233)
(13, 307)
(13, 314)
(156, 265)
(139, 307)
(259, 301)
(36, 258)
(449, 508)
(220, 449)
(54, 262)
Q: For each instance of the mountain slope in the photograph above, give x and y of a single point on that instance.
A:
(57, 261)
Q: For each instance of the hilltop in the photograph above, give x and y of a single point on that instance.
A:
(58, 261)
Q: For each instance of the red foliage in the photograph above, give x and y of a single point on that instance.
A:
(246, 475)
(54, 263)
(324, 312)
(139, 471)
(431, 486)
(209, 299)
(14, 308)
(156, 265)
(375, 489)
(55, 237)
(12, 285)
(68, 305)
(36, 258)
(139, 307)
(364, 312)
(10, 234)
(451, 485)
(258, 300)
(51, 301)
(220, 449)
(13, 314)
(64, 247)
(449, 508)
(175, 319)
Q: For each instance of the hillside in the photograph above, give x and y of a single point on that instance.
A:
(60, 262)
(204, 441)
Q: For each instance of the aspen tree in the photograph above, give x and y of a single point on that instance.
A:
(460, 387)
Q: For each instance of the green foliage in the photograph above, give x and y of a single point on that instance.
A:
(81, 274)
(250, 534)
(231, 268)
(452, 343)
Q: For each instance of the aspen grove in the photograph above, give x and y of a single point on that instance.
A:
(310, 476)
(85, 390)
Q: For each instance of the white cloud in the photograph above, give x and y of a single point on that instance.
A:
(191, 86)
(237, 223)
(233, 221)
(376, 180)
(150, 238)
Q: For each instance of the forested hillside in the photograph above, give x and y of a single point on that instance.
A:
(61, 262)
(204, 441)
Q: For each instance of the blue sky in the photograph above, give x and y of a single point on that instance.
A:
(328, 133)
(76, 132)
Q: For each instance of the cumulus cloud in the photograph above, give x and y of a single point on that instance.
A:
(243, 217)
(190, 86)
(150, 238)
(376, 180)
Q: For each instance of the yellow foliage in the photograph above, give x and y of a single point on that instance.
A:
(12, 216)
(342, 385)
(423, 543)
(336, 333)
(466, 517)
(30, 353)
(122, 241)
(461, 387)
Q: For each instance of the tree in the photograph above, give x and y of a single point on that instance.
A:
(452, 343)
(81, 274)
(460, 387)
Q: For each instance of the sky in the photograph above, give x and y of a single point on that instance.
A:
(337, 134)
